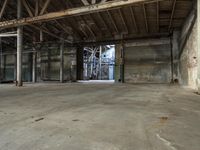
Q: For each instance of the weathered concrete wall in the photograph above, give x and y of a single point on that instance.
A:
(48, 65)
(148, 62)
(188, 60)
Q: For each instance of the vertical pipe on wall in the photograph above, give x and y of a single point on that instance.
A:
(19, 45)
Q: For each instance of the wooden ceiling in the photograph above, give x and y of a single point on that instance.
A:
(149, 19)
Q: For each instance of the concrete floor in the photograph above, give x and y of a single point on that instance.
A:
(99, 117)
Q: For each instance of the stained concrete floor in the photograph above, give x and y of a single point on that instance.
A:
(99, 117)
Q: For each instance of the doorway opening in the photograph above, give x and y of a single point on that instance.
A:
(99, 62)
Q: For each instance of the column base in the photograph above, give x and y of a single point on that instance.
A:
(18, 84)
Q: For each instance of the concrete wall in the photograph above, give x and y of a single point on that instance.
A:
(148, 62)
(48, 65)
(188, 59)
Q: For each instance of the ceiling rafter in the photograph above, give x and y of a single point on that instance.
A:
(158, 16)
(96, 24)
(133, 18)
(112, 21)
(45, 6)
(104, 23)
(27, 6)
(3, 8)
(172, 15)
(145, 17)
(123, 20)
(36, 7)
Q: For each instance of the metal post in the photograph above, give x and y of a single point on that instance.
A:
(61, 61)
(1, 60)
(198, 41)
(100, 62)
(34, 66)
(19, 45)
(122, 64)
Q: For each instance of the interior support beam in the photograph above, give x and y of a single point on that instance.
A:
(3, 8)
(104, 23)
(123, 20)
(34, 66)
(85, 2)
(70, 12)
(27, 8)
(19, 45)
(36, 7)
(198, 43)
(172, 15)
(133, 18)
(62, 61)
(158, 16)
(45, 7)
(145, 18)
(113, 21)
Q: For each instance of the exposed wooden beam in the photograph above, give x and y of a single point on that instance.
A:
(104, 23)
(172, 15)
(93, 2)
(96, 24)
(113, 21)
(145, 18)
(49, 33)
(27, 8)
(36, 7)
(133, 18)
(85, 2)
(103, 1)
(158, 16)
(46, 4)
(70, 12)
(85, 23)
(123, 20)
(3, 8)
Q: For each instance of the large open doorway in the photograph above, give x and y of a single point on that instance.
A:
(99, 62)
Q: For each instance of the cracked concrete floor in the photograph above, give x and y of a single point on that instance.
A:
(99, 117)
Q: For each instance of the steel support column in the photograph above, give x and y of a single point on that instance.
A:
(34, 67)
(198, 42)
(19, 45)
(61, 61)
